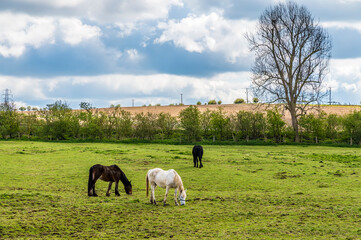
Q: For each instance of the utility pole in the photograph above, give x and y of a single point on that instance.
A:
(330, 102)
(181, 98)
(247, 94)
(132, 102)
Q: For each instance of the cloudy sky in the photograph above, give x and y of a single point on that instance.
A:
(113, 51)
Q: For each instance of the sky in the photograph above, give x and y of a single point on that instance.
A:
(153, 51)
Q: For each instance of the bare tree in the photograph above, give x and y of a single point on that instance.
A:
(292, 52)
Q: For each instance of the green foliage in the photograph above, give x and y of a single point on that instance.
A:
(166, 125)
(243, 125)
(212, 102)
(145, 125)
(9, 123)
(205, 124)
(199, 103)
(219, 102)
(190, 122)
(313, 126)
(255, 100)
(86, 106)
(122, 123)
(333, 126)
(239, 101)
(275, 124)
(220, 125)
(60, 122)
(352, 125)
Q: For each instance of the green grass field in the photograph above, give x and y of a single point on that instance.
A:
(243, 192)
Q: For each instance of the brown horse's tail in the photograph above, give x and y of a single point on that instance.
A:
(90, 181)
(147, 180)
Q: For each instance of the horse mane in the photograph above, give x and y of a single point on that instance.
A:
(123, 178)
(178, 180)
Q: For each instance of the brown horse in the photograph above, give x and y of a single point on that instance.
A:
(109, 174)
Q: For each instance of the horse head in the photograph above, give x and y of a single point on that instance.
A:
(128, 188)
(182, 197)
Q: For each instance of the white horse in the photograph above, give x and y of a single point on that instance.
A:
(165, 179)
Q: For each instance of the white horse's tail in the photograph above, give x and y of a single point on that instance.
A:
(147, 180)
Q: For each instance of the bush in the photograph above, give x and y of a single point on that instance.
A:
(239, 101)
(199, 103)
(255, 100)
(190, 122)
(212, 102)
(219, 102)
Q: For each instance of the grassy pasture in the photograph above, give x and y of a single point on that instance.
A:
(243, 192)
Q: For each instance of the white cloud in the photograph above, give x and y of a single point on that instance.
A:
(345, 75)
(53, 3)
(208, 33)
(104, 11)
(356, 25)
(24, 88)
(19, 32)
(133, 54)
(74, 31)
(156, 88)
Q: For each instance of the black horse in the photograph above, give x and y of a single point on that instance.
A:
(197, 155)
(109, 174)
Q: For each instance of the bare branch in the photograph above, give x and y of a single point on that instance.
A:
(292, 54)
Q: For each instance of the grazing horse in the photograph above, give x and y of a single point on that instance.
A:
(165, 179)
(109, 174)
(197, 155)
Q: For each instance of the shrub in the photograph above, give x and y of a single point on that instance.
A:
(212, 102)
(239, 101)
(190, 122)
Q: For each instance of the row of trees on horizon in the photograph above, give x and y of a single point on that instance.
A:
(59, 122)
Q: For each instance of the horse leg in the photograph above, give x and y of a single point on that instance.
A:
(116, 189)
(166, 195)
(93, 188)
(109, 187)
(96, 177)
(200, 162)
(195, 161)
(153, 193)
(175, 197)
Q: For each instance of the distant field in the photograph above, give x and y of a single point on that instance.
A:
(255, 192)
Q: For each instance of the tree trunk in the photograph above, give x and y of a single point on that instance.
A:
(294, 123)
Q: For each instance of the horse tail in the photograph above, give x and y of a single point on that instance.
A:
(147, 180)
(90, 181)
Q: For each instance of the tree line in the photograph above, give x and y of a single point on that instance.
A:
(59, 122)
